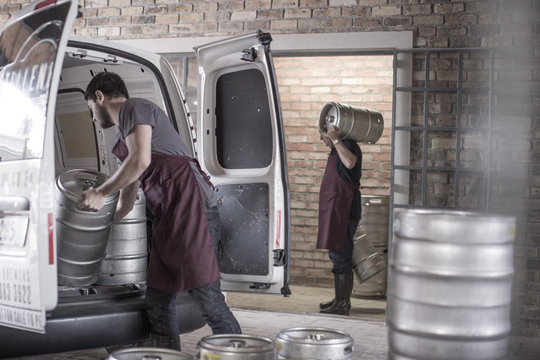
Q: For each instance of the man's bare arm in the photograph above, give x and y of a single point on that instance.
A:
(139, 145)
(347, 157)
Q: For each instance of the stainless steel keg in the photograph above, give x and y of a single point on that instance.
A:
(126, 254)
(450, 285)
(374, 223)
(355, 123)
(314, 344)
(81, 235)
(366, 261)
(236, 347)
(144, 353)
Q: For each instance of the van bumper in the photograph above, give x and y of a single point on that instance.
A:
(84, 322)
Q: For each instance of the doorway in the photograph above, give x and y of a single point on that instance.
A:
(307, 82)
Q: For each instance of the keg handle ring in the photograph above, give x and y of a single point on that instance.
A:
(237, 344)
(89, 184)
(315, 336)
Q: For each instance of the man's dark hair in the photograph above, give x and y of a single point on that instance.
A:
(109, 83)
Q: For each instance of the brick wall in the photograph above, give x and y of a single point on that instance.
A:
(510, 26)
(441, 23)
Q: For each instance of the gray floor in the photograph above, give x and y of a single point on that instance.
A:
(268, 315)
(369, 335)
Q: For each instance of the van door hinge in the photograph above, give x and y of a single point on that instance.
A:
(264, 38)
(110, 59)
(249, 54)
(280, 257)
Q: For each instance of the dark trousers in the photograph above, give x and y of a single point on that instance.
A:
(161, 311)
(342, 260)
(161, 305)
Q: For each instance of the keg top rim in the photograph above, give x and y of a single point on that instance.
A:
(455, 226)
(142, 352)
(71, 175)
(315, 336)
(229, 343)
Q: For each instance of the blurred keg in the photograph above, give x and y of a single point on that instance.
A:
(144, 353)
(374, 223)
(366, 261)
(81, 235)
(126, 255)
(450, 285)
(236, 347)
(314, 344)
(355, 123)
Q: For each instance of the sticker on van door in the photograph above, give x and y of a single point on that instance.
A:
(31, 47)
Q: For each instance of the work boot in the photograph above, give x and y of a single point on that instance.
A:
(343, 284)
(327, 304)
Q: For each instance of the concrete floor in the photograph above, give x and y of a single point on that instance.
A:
(268, 315)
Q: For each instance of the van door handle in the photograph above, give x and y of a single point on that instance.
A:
(14, 203)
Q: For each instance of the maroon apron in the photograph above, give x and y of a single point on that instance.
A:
(335, 200)
(182, 256)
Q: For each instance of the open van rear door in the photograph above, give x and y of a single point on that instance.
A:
(241, 146)
(31, 53)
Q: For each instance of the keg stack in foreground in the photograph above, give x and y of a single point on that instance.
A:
(450, 284)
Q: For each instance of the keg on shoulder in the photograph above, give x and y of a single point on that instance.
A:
(355, 123)
(450, 283)
(81, 235)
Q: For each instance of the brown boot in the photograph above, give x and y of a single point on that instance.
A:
(343, 284)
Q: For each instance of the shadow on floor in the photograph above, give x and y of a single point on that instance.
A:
(307, 299)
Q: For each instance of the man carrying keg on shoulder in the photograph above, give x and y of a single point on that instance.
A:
(180, 197)
(339, 214)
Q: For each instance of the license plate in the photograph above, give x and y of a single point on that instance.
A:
(13, 230)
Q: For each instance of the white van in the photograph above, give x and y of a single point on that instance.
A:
(46, 130)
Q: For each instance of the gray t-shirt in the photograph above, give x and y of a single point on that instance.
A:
(165, 138)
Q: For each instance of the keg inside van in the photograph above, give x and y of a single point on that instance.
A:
(126, 254)
(450, 285)
(236, 347)
(355, 123)
(314, 344)
(81, 235)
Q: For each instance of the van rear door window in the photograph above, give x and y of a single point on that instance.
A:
(243, 121)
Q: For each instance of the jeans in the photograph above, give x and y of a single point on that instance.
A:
(342, 260)
(161, 311)
(161, 305)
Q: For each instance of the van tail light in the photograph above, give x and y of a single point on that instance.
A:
(44, 3)
(50, 229)
(278, 229)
